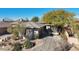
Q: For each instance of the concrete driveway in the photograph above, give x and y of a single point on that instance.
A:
(51, 43)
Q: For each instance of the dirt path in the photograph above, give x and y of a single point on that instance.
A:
(73, 40)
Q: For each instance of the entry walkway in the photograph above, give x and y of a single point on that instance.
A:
(73, 40)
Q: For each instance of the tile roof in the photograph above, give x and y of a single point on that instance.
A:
(25, 24)
(34, 24)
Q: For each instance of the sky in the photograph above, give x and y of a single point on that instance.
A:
(15, 13)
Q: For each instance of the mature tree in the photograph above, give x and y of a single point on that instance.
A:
(58, 17)
(35, 19)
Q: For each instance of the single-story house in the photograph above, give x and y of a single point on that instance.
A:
(32, 30)
(36, 30)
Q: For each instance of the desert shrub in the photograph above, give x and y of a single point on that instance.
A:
(17, 47)
(27, 44)
(14, 37)
(77, 36)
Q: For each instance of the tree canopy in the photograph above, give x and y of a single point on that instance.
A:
(58, 17)
(35, 19)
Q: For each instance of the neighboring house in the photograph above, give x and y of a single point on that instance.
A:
(3, 27)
